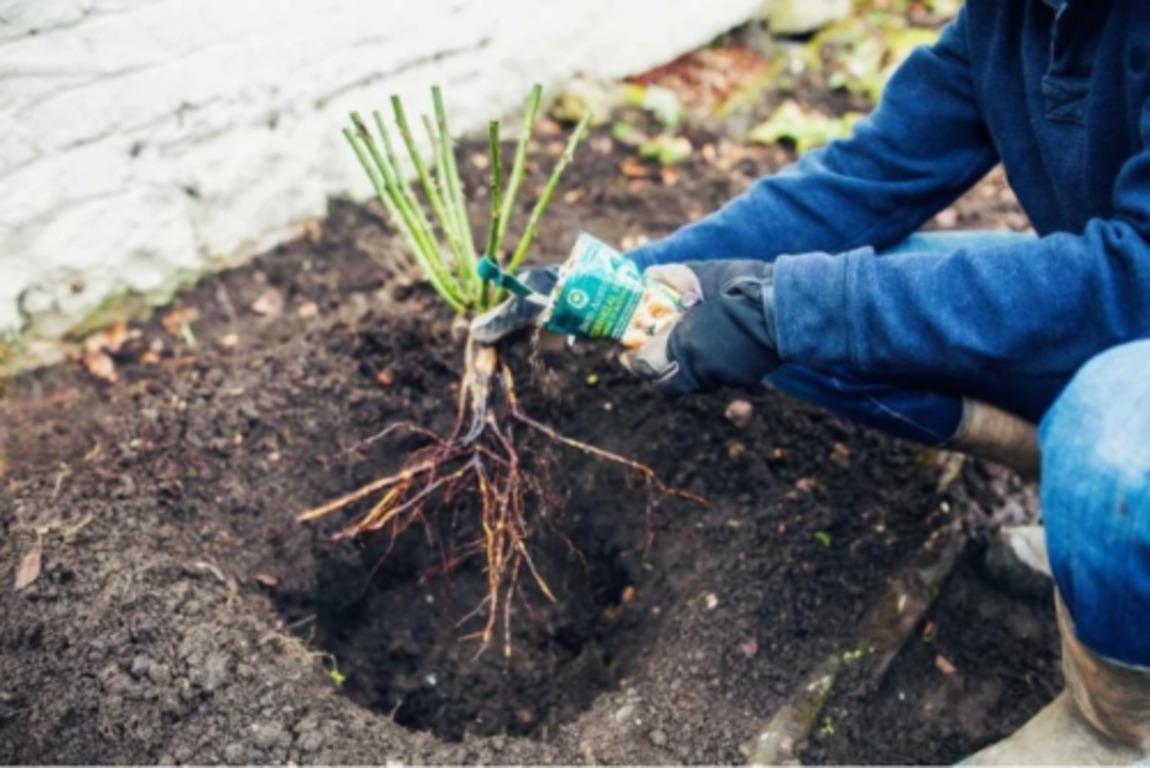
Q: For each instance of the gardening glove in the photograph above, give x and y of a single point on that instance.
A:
(725, 337)
(516, 313)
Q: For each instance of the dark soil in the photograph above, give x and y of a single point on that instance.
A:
(182, 615)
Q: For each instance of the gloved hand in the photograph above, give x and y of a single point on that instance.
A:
(516, 313)
(726, 336)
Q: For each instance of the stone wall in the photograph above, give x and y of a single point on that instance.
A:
(143, 142)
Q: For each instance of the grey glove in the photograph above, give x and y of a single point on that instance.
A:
(727, 336)
(516, 313)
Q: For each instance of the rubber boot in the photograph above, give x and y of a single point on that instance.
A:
(1102, 718)
(992, 433)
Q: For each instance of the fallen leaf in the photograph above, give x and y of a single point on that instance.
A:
(179, 318)
(666, 149)
(29, 569)
(100, 364)
(943, 665)
(110, 339)
(270, 303)
(634, 168)
(804, 127)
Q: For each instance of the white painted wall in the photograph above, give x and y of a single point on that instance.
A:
(146, 140)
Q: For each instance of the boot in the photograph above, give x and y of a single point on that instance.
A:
(1102, 718)
(991, 433)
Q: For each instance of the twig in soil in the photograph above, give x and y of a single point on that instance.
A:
(882, 634)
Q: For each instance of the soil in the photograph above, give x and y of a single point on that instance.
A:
(181, 614)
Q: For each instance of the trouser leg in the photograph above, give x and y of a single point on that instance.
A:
(1095, 497)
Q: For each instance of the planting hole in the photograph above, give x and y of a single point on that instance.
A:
(394, 631)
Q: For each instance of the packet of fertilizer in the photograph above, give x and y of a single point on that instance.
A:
(602, 294)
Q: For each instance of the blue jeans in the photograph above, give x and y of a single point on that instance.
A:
(1095, 440)
(1096, 501)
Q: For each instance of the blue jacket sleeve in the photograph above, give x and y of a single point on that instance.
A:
(1040, 308)
(923, 146)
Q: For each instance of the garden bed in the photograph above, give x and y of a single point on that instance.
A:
(180, 613)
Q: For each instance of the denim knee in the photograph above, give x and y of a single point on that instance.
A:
(1096, 501)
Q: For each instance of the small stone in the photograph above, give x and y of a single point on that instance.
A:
(214, 672)
(270, 303)
(307, 310)
(658, 737)
(140, 666)
(624, 713)
(234, 753)
(739, 412)
(1016, 558)
(310, 742)
(269, 735)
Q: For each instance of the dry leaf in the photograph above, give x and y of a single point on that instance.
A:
(29, 569)
(634, 168)
(178, 318)
(943, 665)
(110, 339)
(100, 364)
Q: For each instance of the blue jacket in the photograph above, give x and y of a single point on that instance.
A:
(1059, 93)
